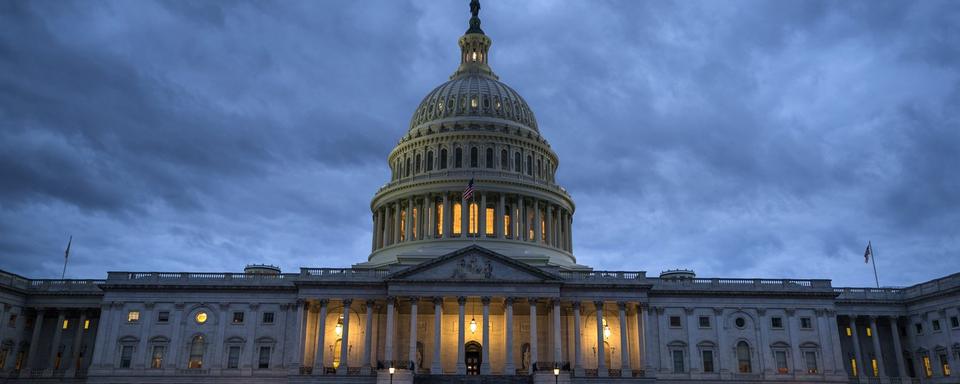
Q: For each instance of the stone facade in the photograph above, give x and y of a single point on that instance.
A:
(471, 286)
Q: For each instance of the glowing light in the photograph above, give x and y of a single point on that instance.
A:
(606, 330)
(201, 317)
(473, 326)
(339, 328)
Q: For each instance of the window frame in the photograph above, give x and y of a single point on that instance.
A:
(774, 320)
(700, 322)
(809, 323)
(273, 318)
(679, 321)
(238, 321)
(133, 316)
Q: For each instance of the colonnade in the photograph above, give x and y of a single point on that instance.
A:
(488, 214)
(533, 358)
(28, 356)
(869, 361)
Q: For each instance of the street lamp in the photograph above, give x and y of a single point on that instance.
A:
(392, 370)
(556, 374)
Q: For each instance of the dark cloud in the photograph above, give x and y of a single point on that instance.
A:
(738, 139)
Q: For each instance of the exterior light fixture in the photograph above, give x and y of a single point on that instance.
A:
(556, 374)
(606, 330)
(339, 328)
(473, 325)
(392, 371)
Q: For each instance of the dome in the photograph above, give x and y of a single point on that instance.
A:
(469, 96)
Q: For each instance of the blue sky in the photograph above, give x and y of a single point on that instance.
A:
(735, 138)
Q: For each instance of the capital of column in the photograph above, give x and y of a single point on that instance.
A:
(414, 300)
(576, 305)
(392, 300)
(622, 305)
(761, 311)
(688, 310)
(323, 302)
(485, 300)
(598, 304)
(438, 300)
(370, 303)
(790, 311)
(509, 300)
(533, 300)
(554, 301)
(717, 311)
(346, 302)
(461, 300)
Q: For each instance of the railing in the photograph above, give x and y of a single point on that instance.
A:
(342, 273)
(467, 173)
(603, 275)
(202, 278)
(848, 293)
(755, 284)
(49, 285)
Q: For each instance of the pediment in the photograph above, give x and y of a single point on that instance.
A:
(474, 263)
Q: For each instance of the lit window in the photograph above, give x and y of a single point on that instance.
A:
(869, 332)
(474, 56)
(196, 353)
(403, 224)
(927, 368)
(876, 369)
(849, 332)
(457, 219)
(201, 317)
(133, 316)
(811, 360)
(474, 218)
(853, 367)
(473, 102)
(945, 365)
(156, 361)
(781, 359)
(86, 324)
(506, 225)
(414, 228)
(491, 215)
(66, 324)
(439, 219)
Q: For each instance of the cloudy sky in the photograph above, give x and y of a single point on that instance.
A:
(735, 138)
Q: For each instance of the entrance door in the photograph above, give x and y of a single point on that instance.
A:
(472, 353)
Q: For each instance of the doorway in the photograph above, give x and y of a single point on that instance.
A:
(472, 357)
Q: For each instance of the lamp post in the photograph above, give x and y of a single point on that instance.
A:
(392, 370)
(556, 374)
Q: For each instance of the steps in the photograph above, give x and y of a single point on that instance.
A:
(464, 379)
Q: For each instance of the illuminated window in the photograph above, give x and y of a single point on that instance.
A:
(86, 324)
(490, 219)
(743, 357)
(811, 360)
(439, 219)
(133, 316)
(3, 356)
(200, 317)
(849, 332)
(927, 368)
(781, 359)
(18, 364)
(945, 365)
(156, 360)
(869, 332)
(474, 56)
(414, 229)
(66, 324)
(474, 218)
(543, 227)
(126, 355)
(238, 317)
(403, 224)
(196, 353)
(506, 225)
(873, 365)
(440, 106)
(853, 367)
(457, 220)
(473, 102)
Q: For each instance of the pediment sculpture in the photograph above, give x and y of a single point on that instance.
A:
(473, 268)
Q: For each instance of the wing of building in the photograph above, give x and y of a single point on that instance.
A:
(472, 278)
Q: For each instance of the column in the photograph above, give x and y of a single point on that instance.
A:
(501, 213)
(826, 347)
(447, 227)
(897, 347)
(464, 217)
(35, 340)
(388, 338)
(641, 337)
(601, 359)
(412, 351)
(856, 347)
(345, 343)
(831, 320)
(373, 245)
(396, 222)
(951, 353)
(508, 367)
(624, 341)
(793, 327)
(533, 333)
(321, 331)
(521, 220)
(461, 367)
(722, 353)
(764, 348)
(145, 335)
(4, 318)
(436, 367)
(557, 343)
(384, 233)
(549, 222)
(654, 358)
(77, 343)
(368, 337)
(408, 228)
(423, 217)
(485, 361)
(175, 339)
(577, 352)
(570, 233)
(429, 220)
(482, 224)
(537, 226)
(881, 369)
(689, 324)
(57, 334)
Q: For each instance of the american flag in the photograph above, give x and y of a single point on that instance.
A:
(468, 192)
(868, 253)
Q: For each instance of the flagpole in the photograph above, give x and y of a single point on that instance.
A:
(873, 259)
(66, 256)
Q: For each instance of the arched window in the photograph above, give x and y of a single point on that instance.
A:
(418, 164)
(539, 168)
(443, 158)
(458, 158)
(407, 168)
(504, 159)
(489, 159)
(529, 165)
(196, 352)
(474, 155)
(429, 161)
(516, 162)
(743, 357)
(474, 218)
(457, 219)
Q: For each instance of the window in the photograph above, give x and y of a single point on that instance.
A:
(810, 357)
(126, 355)
(474, 157)
(264, 359)
(853, 367)
(539, 168)
(429, 161)
(954, 322)
(439, 219)
(704, 321)
(707, 356)
(506, 225)
(678, 361)
(417, 167)
(163, 316)
(86, 324)
(133, 316)
(489, 158)
(849, 332)
(406, 168)
(443, 158)
(927, 368)
(776, 322)
(936, 325)
(156, 359)
(919, 327)
(740, 322)
(675, 322)
(66, 324)
(876, 369)
(781, 359)
(403, 224)
(490, 219)
(944, 364)
(196, 353)
(238, 317)
(268, 317)
(12, 322)
(474, 218)
(458, 158)
(504, 159)
(743, 357)
(233, 357)
(516, 162)
(529, 165)
(457, 220)
(806, 323)
(869, 332)
(3, 356)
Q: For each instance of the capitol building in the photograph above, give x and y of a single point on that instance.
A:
(472, 278)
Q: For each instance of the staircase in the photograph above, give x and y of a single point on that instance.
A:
(464, 379)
